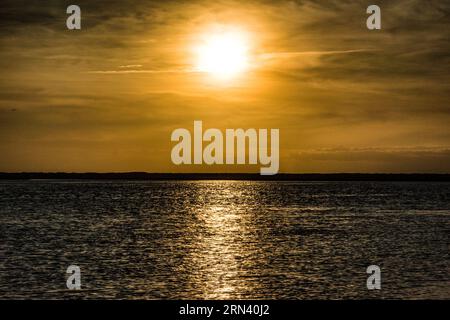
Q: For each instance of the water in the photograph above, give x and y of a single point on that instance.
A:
(224, 239)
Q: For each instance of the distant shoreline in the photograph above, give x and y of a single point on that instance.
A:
(227, 176)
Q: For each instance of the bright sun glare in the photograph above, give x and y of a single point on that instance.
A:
(223, 55)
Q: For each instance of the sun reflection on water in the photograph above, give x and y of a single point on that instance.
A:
(216, 256)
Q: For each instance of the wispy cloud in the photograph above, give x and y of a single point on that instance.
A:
(131, 66)
(134, 71)
(293, 54)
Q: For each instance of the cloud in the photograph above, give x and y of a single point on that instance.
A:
(320, 76)
(141, 71)
(301, 53)
(398, 159)
(131, 66)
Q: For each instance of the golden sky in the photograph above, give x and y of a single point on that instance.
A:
(107, 97)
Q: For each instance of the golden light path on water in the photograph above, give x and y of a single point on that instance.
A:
(224, 241)
(218, 260)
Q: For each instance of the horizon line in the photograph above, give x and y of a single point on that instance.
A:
(138, 175)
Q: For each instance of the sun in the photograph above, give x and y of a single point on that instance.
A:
(223, 54)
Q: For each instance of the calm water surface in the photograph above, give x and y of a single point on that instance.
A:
(224, 239)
